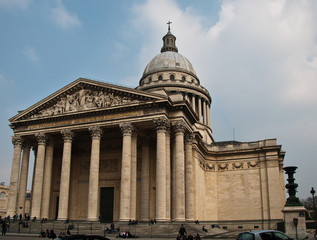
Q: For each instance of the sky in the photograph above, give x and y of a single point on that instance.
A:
(258, 60)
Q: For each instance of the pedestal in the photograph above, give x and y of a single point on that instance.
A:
(291, 213)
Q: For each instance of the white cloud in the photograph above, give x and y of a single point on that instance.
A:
(63, 18)
(4, 82)
(11, 4)
(30, 53)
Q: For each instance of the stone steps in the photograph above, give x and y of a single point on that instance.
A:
(141, 229)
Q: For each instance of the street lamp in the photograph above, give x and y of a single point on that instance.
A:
(312, 191)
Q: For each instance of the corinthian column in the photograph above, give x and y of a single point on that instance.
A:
(126, 129)
(179, 129)
(23, 178)
(65, 175)
(145, 182)
(13, 191)
(47, 178)
(189, 191)
(161, 127)
(194, 102)
(205, 112)
(199, 109)
(38, 176)
(93, 192)
(133, 175)
(168, 174)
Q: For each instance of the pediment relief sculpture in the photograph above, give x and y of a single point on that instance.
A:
(84, 99)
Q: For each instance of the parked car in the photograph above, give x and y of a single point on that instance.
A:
(82, 237)
(263, 235)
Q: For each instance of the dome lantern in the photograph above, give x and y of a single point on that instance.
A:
(169, 41)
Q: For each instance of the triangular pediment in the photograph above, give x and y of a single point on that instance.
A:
(85, 95)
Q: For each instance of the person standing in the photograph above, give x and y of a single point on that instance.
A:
(182, 232)
(4, 226)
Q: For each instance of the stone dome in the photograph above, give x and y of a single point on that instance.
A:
(169, 61)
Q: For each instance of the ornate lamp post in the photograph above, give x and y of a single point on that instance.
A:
(291, 186)
(312, 191)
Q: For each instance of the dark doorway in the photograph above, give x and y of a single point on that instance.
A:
(106, 204)
(56, 209)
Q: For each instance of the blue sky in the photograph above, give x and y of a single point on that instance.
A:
(258, 59)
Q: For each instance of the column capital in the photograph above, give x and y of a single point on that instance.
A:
(26, 144)
(67, 135)
(17, 141)
(179, 127)
(41, 138)
(161, 124)
(126, 128)
(189, 137)
(95, 132)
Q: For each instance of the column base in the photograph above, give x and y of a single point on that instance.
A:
(92, 219)
(179, 220)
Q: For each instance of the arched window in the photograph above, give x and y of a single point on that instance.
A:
(167, 41)
(183, 78)
(2, 195)
(160, 77)
(172, 77)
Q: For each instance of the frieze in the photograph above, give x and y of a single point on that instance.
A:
(210, 166)
(237, 165)
(84, 99)
(252, 164)
(223, 166)
(75, 121)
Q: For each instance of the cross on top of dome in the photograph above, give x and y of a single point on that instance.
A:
(169, 41)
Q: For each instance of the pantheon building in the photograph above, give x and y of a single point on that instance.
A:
(104, 152)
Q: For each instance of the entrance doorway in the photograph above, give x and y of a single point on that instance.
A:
(106, 204)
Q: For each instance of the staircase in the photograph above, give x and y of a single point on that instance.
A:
(160, 230)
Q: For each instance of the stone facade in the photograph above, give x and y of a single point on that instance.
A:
(4, 191)
(118, 153)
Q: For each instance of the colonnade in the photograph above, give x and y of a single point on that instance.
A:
(201, 107)
(174, 190)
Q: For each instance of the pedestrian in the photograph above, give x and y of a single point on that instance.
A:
(182, 232)
(4, 226)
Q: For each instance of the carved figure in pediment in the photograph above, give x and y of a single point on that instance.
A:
(82, 100)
